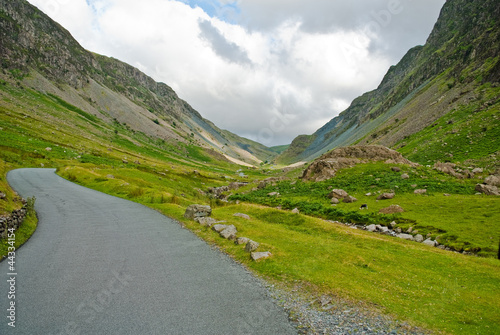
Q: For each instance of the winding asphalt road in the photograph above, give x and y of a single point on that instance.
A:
(98, 264)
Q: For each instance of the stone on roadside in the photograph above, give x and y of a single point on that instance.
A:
(338, 193)
(405, 237)
(392, 209)
(419, 238)
(205, 221)
(194, 211)
(229, 233)
(260, 255)
(241, 215)
(251, 246)
(219, 227)
(386, 196)
(242, 240)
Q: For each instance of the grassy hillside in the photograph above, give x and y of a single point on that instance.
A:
(451, 292)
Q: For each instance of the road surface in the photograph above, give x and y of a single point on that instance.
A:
(98, 264)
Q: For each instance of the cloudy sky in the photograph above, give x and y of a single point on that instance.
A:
(268, 70)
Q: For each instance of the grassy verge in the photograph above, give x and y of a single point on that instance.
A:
(429, 287)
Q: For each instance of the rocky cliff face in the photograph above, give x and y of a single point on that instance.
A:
(38, 51)
(450, 71)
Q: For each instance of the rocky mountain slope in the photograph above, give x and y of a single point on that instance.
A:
(38, 53)
(440, 102)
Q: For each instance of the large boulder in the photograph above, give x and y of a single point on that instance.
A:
(338, 194)
(195, 211)
(487, 189)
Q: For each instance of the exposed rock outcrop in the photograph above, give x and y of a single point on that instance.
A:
(327, 165)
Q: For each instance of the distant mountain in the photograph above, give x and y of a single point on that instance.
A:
(44, 56)
(440, 102)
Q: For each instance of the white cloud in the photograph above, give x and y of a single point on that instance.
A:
(267, 70)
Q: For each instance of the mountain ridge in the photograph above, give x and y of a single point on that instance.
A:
(42, 54)
(460, 56)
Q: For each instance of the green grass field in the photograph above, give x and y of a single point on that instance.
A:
(440, 290)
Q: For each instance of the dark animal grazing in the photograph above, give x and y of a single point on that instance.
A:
(364, 206)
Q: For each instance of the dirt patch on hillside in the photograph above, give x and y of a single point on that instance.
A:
(326, 166)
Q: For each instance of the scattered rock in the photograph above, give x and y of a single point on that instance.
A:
(386, 196)
(229, 233)
(410, 230)
(205, 221)
(396, 169)
(335, 201)
(241, 215)
(477, 170)
(349, 199)
(338, 193)
(414, 185)
(405, 237)
(393, 224)
(447, 195)
(194, 211)
(242, 240)
(368, 194)
(371, 228)
(273, 194)
(405, 176)
(399, 230)
(295, 211)
(3, 195)
(392, 209)
(260, 255)
(219, 227)
(419, 238)
(251, 246)
(110, 176)
(430, 242)
(492, 181)
(420, 191)
(48, 149)
(487, 189)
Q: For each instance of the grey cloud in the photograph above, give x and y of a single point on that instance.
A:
(222, 47)
(408, 24)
